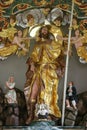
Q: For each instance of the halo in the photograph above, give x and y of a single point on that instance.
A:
(36, 13)
(34, 31)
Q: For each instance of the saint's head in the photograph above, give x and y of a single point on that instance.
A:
(45, 33)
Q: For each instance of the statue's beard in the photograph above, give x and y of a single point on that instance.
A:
(45, 36)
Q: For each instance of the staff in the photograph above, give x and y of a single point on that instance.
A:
(66, 68)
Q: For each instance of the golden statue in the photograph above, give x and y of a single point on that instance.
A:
(18, 46)
(80, 43)
(44, 67)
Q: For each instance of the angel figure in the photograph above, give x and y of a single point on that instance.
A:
(80, 45)
(19, 45)
(21, 42)
(8, 33)
(56, 27)
(29, 25)
(32, 18)
(79, 42)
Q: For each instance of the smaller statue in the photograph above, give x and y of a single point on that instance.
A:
(71, 96)
(42, 110)
(11, 98)
(15, 104)
(21, 42)
(11, 94)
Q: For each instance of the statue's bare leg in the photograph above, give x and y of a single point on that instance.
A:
(32, 100)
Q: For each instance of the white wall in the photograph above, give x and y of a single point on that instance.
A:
(13, 66)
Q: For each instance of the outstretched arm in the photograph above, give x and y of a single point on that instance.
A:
(74, 40)
(61, 38)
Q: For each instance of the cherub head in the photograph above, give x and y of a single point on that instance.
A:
(12, 19)
(58, 21)
(30, 19)
(74, 21)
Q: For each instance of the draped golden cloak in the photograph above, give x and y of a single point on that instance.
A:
(82, 51)
(44, 56)
(8, 33)
(6, 51)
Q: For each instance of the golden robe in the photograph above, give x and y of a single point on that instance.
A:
(8, 33)
(45, 56)
(6, 51)
(82, 51)
(12, 49)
